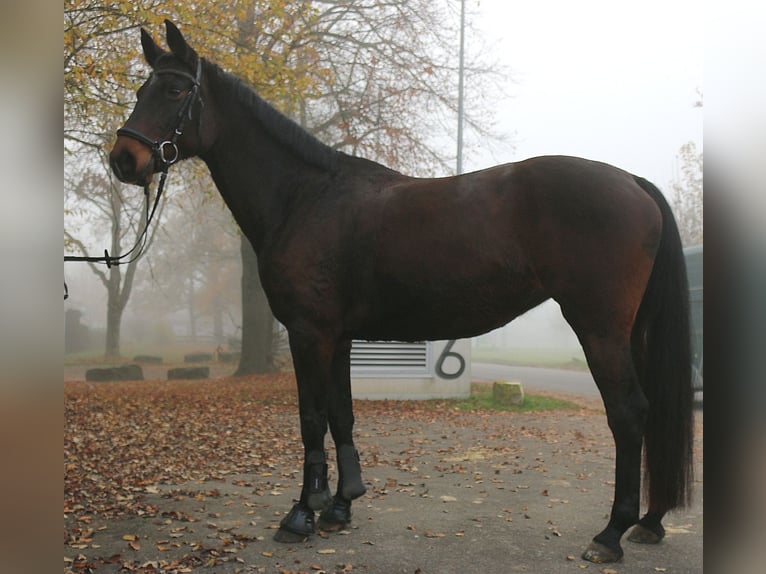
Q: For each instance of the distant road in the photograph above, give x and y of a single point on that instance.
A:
(578, 383)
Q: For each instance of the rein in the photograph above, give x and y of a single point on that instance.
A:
(160, 151)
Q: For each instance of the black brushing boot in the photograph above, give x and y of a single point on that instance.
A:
(315, 487)
(299, 524)
(350, 485)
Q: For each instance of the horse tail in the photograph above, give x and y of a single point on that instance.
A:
(661, 342)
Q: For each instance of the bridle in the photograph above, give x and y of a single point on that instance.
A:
(160, 148)
(166, 154)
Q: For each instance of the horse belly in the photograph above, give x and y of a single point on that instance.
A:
(449, 306)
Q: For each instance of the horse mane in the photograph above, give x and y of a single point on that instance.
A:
(286, 131)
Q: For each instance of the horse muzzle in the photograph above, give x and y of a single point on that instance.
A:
(132, 162)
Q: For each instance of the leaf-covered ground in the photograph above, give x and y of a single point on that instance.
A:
(122, 437)
(164, 476)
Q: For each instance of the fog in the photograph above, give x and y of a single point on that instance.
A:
(540, 328)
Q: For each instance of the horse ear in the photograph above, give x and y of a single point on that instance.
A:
(151, 50)
(179, 47)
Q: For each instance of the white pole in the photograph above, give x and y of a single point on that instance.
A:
(461, 89)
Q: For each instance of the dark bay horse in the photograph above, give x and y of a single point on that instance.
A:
(349, 249)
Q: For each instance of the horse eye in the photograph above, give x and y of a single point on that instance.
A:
(174, 92)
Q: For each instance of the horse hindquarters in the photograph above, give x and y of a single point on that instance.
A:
(631, 317)
(606, 275)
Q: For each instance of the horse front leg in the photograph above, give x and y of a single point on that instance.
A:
(312, 358)
(341, 415)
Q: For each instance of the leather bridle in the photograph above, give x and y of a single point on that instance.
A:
(166, 152)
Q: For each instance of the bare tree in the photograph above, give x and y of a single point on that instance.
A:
(687, 195)
(95, 191)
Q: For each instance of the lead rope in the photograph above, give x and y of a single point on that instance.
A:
(110, 260)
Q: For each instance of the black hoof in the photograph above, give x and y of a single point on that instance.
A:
(351, 486)
(297, 526)
(287, 537)
(336, 517)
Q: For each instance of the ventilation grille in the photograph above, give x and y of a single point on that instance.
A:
(389, 359)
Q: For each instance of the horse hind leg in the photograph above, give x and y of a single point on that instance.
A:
(649, 529)
(610, 361)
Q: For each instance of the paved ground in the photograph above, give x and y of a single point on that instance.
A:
(469, 492)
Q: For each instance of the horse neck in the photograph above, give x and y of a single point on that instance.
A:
(259, 177)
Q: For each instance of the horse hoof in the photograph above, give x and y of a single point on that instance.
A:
(643, 535)
(335, 517)
(297, 526)
(287, 537)
(600, 554)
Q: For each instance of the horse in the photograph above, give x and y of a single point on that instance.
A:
(350, 249)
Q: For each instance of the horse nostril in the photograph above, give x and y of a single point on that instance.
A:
(115, 168)
(123, 165)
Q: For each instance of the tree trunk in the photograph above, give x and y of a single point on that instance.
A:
(118, 288)
(113, 321)
(192, 311)
(218, 322)
(257, 319)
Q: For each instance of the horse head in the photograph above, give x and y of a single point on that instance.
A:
(165, 125)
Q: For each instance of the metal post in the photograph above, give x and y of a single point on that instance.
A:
(461, 89)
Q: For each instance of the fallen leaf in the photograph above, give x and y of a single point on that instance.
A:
(326, 551)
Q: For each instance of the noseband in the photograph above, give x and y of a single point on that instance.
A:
(166, 152)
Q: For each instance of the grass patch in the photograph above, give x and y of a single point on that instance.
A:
(481, 399)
